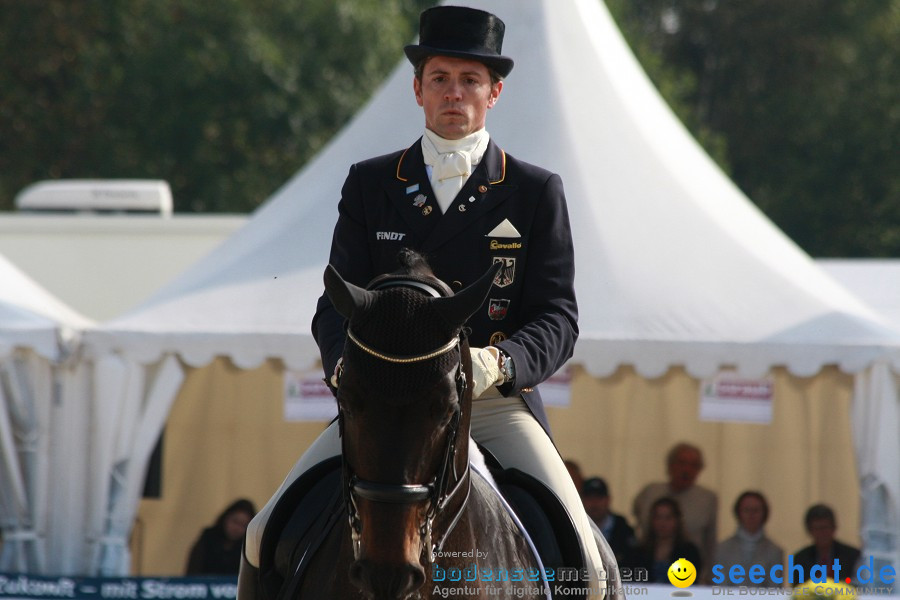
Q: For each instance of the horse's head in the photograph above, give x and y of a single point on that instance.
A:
(403, 403)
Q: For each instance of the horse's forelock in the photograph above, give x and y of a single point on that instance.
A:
(412, 262)
(413, 267)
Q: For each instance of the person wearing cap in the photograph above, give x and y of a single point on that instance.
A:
(615, 528)
(457, 197)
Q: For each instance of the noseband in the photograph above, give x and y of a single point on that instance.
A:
(435, 491)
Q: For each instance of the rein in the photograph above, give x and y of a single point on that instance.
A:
(435, 492)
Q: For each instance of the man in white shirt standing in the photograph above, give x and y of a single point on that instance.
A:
(699, 506)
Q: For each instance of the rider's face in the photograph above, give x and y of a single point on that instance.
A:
(455, 94)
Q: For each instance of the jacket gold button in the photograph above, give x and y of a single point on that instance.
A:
(482, 188)
(456, 285)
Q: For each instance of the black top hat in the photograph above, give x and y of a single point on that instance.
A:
(462, 33)
(594, 486)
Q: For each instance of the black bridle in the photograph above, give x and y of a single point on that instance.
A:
(436, 492)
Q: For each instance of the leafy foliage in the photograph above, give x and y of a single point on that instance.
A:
(224, 99)
(798, 101)
(801, 101)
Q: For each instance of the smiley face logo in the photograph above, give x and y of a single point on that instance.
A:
(682, 573)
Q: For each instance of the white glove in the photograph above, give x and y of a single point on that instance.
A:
(485, 369)
(336, 376)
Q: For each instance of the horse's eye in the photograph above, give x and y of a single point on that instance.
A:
(448, 414)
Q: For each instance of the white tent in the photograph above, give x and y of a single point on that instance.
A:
(875, 280)
(877, 422)
(39, 422)
(676, 268)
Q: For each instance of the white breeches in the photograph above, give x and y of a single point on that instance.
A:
(510, 432)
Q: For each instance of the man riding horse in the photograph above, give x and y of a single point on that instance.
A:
(462, 201)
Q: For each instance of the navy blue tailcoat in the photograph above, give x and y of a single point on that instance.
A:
(508, 211)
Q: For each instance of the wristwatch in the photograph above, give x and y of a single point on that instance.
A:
(507, 367)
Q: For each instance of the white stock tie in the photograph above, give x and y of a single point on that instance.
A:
(451, 162)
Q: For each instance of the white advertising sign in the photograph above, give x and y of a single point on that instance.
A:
(307, 398)
(730, 398)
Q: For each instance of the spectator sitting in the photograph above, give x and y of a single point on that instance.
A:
(749, 545)
(218, 550)
(821, 525)
(616, 530)
(698, 504)
(664, 543)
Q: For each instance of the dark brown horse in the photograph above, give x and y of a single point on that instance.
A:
(417, 521)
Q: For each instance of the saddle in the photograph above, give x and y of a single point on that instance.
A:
(310, 508)
(544, 516)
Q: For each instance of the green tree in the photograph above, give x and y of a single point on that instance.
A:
(802, 97)
(225, 100)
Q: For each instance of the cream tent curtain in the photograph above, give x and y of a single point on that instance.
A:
(230, 422)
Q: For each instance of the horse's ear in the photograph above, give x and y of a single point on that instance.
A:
(346, 297)
(458, 308)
